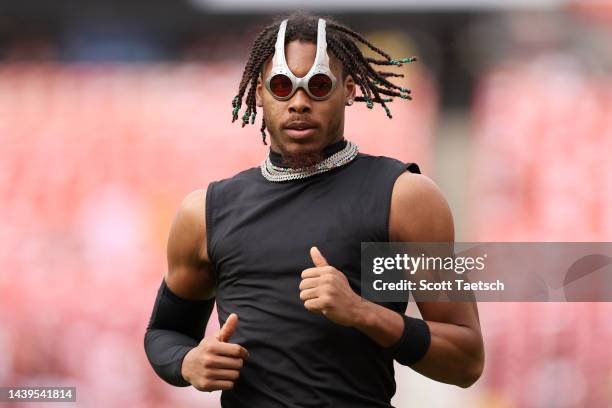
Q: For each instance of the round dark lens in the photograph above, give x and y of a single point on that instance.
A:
(280, 85)
(320, 85)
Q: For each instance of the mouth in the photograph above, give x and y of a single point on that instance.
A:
(300, 129)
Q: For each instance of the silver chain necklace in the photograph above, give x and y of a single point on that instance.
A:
(273, 172)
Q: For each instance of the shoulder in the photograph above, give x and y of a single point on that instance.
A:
(391, 164)
(378, 169)
(229, 187)
(377, 160)
(190, 274)
(243, 176)
(187, 237)
(419, 211)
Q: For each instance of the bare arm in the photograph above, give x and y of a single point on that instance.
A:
(175, 343)
(419, 213)
(190, 274)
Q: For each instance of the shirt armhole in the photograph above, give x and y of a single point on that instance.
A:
(208, 217)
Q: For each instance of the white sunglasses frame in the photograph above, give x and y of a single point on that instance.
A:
(320, 65)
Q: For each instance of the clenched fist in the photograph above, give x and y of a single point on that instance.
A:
(324, 289)
(215, 364)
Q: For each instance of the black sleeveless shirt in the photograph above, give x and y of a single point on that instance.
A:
(259, 238)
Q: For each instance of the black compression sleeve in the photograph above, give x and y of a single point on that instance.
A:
(176, 326)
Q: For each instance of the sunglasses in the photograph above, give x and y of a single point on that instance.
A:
(318, 83)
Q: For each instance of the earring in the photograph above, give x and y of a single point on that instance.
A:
(349, 102)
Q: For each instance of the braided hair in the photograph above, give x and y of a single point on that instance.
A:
(341, 41)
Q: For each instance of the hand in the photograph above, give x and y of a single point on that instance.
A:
(215, 364)
(324, 289)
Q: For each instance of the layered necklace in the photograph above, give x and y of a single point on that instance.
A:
(272, 172)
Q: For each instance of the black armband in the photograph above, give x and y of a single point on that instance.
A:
(176, 326)
(414, 342)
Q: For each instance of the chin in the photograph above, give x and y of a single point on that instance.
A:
(302, 151)
(293, 143)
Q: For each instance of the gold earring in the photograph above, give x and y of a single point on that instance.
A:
(349, 102)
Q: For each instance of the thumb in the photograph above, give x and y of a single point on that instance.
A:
(228, 328)
(317, 258)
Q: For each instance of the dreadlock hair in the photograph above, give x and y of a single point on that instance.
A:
(342, 42)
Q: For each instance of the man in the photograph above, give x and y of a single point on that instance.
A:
(278, 247)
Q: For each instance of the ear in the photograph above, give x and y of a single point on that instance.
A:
(350, 88)
(258, 91)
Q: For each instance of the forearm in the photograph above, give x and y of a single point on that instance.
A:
(165, 351)
(176, 326)
(382, 325)
(454, 354)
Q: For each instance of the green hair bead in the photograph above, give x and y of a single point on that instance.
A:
(400, 61)
(388, 111)
(253, 117)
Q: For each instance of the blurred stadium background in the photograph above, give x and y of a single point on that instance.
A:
(111, 111)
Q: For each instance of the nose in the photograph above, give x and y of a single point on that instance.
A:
(300, 102)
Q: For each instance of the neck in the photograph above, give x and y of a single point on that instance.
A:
(304, 159)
